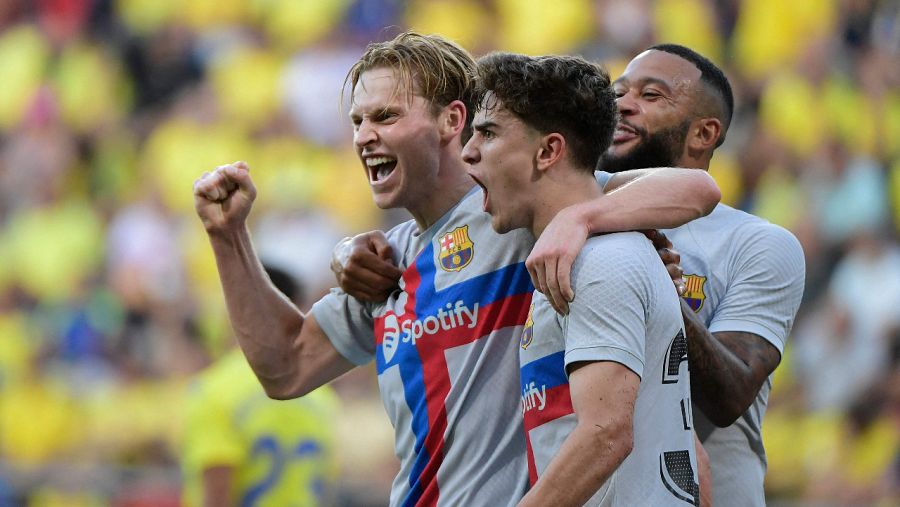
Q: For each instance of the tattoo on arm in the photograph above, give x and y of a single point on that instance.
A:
(727, 368)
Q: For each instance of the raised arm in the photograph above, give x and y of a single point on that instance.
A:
(633, 200)
(287, 350)
(603, 396)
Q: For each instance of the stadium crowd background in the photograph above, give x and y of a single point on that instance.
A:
(109, 299)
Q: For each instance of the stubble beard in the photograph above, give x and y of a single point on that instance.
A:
(660, 149)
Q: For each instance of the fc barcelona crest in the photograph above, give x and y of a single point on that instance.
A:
(693, 291)
(528, 332)
(456, 249)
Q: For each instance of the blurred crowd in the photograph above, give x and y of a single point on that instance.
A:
(109, 298)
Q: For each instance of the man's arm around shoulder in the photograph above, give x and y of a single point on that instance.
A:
(633, 200)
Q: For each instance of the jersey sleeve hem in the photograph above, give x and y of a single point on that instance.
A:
(602, 178)
(614, 354)
(353, 354)
(743, 326)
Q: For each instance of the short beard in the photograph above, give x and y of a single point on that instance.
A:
(660, 149)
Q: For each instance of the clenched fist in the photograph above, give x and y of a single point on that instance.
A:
(223, 197)
(364, 267)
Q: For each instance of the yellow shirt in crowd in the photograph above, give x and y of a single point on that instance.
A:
(283, 452)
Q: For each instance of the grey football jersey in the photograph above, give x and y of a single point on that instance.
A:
(742, 274)
(625, 310)
(445, 349)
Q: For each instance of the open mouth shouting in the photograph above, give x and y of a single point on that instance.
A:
(486, 203)
(380, 167)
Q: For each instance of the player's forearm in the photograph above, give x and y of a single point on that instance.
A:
(721, 382)
(653, 199)
(588, 457)
(264, 322)
(217, 482)
(704, 473)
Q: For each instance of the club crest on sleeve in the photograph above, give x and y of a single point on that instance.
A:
(456, 249)
(528, 332)
(693, 291)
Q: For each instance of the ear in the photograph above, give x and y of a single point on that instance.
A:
(452, 120)
(703, 135)
(551, 150)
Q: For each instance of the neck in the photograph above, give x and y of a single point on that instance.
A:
(700, 161)
(559, 191)
(450, 186)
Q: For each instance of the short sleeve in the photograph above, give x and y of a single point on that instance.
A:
(349, 325)
(607, 321)
(602, 177)
(765, 286)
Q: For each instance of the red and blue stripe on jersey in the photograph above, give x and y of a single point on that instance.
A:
(547, 373)
(503, 297)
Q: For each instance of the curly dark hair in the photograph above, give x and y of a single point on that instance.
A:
(563, 94)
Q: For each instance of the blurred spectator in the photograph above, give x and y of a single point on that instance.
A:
(312, 86)
(855, 202)
(283, 238)
(143, 259)
(843, 349)
(240, 447)
(161, 64)
(864, 447)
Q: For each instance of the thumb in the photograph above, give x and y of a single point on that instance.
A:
(382, 247)
(240, 164)
(239, 173)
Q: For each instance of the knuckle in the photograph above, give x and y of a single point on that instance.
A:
(357, 252)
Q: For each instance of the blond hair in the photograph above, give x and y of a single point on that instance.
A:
(437, 69)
